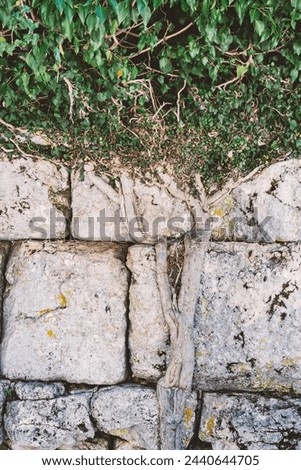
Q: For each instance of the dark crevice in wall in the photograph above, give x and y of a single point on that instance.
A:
(195, 442)
(7, 254)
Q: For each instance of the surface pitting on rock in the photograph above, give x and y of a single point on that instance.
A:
(129, 412)
(34, 199)
(38, 390)
(148, 335)
(59, 423)
(74, 327)
(267, 208)
(250, 421)
(248, 327)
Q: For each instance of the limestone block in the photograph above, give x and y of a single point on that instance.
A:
(250, 421)
(34, 199)
(74, 327)
(38, 390)
(267, 208)
(129, 412)
(148, 335)
(248, 323)
(130, 211)
(60, 423)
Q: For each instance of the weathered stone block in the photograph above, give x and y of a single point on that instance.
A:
(60, 423)
(129, 412)
(38, 390)
(248, 322)
(267, 208)
(148, 335)
(34, 200)
(250, 421)
(131, 211)
(74, 327)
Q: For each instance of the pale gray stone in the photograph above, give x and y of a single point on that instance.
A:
(129, 412)
(148, 335)
(34, 199)
(74, 327)
(94, 214)
(248, 322)
(250, 421)
(38, 390)
(267, 208)
(4, 388)
(130, 211)
(60, 423)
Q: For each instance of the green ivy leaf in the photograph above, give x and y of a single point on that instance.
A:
(241, 70)
(102, 13)
(259, 27)
(297, 47)
(165, 65)
(60, 5)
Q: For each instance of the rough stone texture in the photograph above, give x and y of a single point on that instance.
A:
(4, 384)
(92, 444)
(85, 224)
(188, 423)
(148, 335)
(60, 423)
(249, 421)
(28, 190)
(119, 444)
(276, 193)
(162, 215)
(129, 412)
(74, 327)
(248, 323)
(38, 390)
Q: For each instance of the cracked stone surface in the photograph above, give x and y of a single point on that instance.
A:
(129, 412)
(60, 423)
(4, 385)
(74, 327)
(250, 421)
(161, 214)
(38, 390)
(267, 208)
(148, 335)
(30, 190)
(248, 323)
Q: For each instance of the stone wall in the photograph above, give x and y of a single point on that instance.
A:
(137, 316)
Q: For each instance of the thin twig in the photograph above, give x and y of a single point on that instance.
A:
(165, 38)
(71, 97)
(179, 101)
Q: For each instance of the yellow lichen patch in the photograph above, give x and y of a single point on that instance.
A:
(290, 361)
(50, 333)
(229, 203)
(44, 311)
(62, 300)
(218, 212)
(210, 425)
(188, 415)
